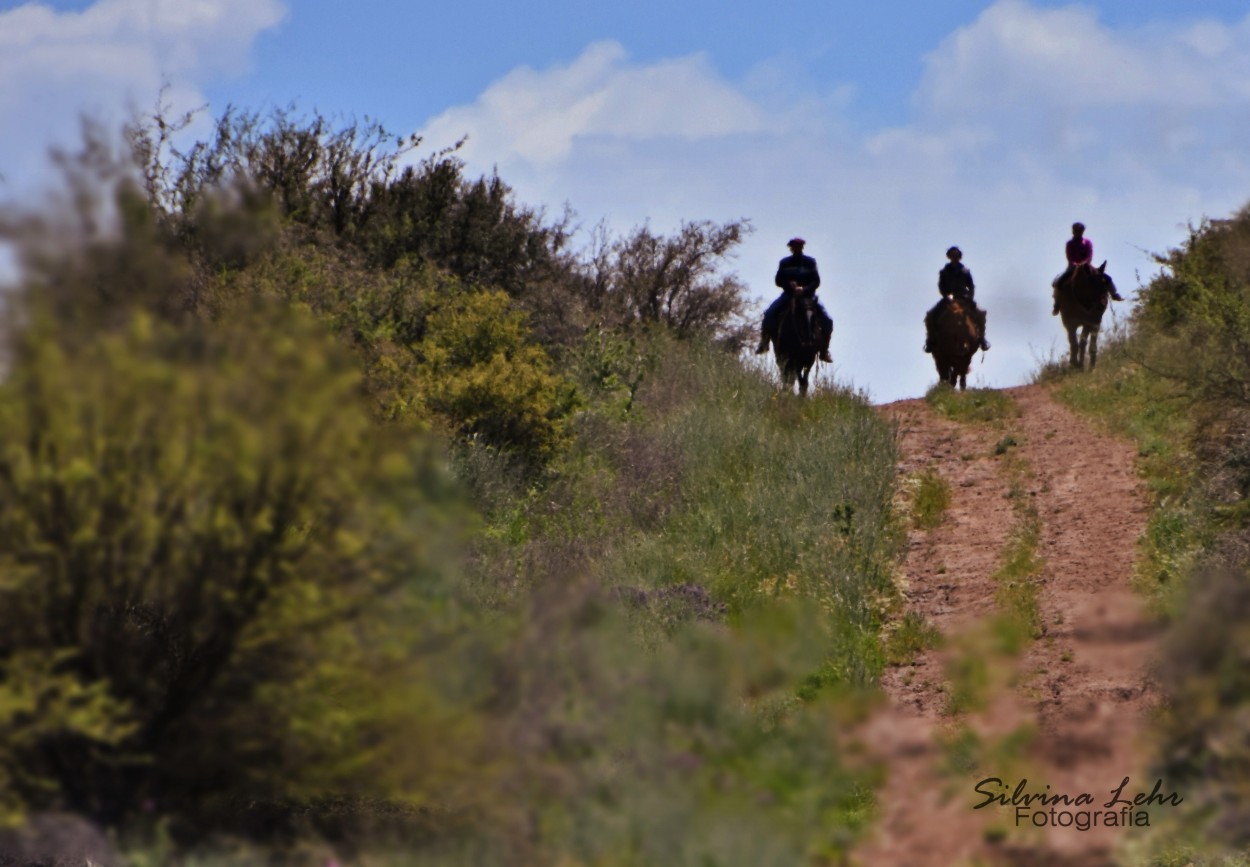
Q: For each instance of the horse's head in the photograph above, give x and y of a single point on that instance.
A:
(1093, 279)
(1106, 278)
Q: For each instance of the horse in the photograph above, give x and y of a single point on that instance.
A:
(798, 340)
(1082, 300)
(953, 341)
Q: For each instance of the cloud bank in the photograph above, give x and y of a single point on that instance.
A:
(110, 57)
(1024, 120)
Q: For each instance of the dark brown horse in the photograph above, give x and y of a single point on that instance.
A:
(954, 340)
(798, 340)
(1082, 300)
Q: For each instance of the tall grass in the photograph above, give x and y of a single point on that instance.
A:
(749, 541)
(1018, 620)
(778, 496)
(973, 405)
(931, 497)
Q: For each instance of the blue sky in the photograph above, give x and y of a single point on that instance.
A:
(883, 132)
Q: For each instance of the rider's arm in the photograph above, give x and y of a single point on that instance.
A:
(784, 276)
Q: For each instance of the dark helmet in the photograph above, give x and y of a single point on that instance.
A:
(954, 251)
(1078, 228)
(795, 241)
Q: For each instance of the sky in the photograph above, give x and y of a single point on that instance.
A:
(881, 132)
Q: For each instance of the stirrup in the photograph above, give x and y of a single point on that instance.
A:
(825, 356)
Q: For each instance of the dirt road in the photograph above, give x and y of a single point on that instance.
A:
(1067, 706)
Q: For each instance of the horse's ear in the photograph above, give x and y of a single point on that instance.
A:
(1103, 267)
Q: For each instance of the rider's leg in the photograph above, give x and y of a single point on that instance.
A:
(826, 332)
(1054, 285)
(930, 318)
(979, 315)
(768, 329)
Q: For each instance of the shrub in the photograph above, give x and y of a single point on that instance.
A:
(478, 370)
(646, 279)
(202, 536)
(930, 499)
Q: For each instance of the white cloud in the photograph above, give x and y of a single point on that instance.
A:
(1015, 52)
(1058, 81)
(538, 116)
(102, 61)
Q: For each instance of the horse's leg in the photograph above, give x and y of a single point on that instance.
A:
(1084, 345)
(803, 381)
(963, 382)
(1073, 357)
(1093, 348)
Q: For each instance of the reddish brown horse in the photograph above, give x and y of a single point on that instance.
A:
(1082, 301)
(954, 340)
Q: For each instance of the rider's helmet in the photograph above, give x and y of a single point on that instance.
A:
(796, 241)
(1078, 229)
(954, 253)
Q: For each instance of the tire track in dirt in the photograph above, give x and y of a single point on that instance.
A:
(1083, 686)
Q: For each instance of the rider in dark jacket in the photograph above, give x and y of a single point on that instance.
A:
(955, 281)
(796, 273)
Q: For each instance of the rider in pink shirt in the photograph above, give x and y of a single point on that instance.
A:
(1080, 252)
(1080, 249)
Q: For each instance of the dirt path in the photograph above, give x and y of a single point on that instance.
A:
(1069, 710)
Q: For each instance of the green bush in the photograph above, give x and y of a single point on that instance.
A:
(430, 351)
(477, 369)
(931, 496)
(202, 537)
(1194, 317)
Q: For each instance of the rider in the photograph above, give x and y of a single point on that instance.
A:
(955, 281)
(796, 273)
(1080, 252)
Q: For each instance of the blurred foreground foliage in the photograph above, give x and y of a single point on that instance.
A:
(346, 512)
(1177, 379)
